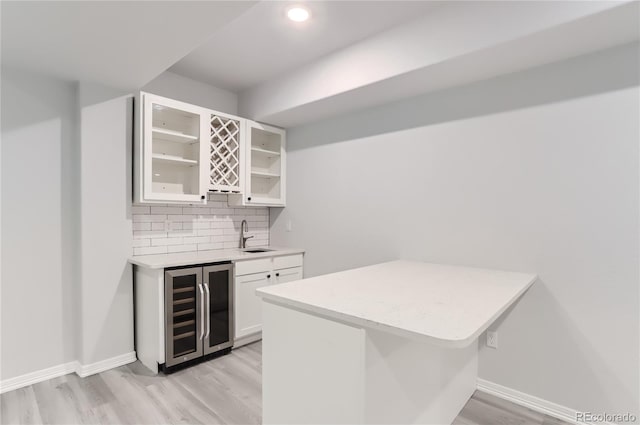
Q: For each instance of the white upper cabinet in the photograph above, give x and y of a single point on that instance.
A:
(183, 151)
(265, 160)
(172, 151)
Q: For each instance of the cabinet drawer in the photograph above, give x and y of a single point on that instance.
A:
(287, 261)
(288, 275)
(253, 266)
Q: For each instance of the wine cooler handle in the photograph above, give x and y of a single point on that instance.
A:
(201, 311)
(208, 298)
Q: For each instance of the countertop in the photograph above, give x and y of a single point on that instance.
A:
(161, 261)
(446, 305)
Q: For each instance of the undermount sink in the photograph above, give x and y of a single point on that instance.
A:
(256, 250)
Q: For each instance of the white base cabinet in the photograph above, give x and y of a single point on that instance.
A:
(251, 275)
(151, 295)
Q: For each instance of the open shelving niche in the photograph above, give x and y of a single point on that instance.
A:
(175, 151)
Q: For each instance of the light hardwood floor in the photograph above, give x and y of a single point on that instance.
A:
(226, 390)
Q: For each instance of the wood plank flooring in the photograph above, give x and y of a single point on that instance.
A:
(226, 390)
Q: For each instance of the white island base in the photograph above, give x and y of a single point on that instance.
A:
(325, 372)
(394, 343)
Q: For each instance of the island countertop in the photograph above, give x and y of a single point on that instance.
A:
(446, 305)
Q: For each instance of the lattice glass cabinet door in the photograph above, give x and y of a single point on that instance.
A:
(226, 150)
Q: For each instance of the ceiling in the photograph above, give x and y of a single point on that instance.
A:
(262, 43)
(123, 44)
(456, 44)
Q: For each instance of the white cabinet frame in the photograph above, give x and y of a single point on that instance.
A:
(143, 153)
(250, 195)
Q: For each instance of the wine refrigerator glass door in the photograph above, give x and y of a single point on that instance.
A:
(184, 315)
(218, 288)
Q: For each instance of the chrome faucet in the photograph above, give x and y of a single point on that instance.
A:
(244, 227)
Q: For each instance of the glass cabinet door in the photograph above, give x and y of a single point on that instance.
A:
(183, 314)
(175, 142)
(217, 281)
(266, 160)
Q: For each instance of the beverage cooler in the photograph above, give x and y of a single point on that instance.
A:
(198, 313)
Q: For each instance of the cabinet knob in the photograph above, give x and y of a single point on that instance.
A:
(249, 198)
(268, 276)
(202, 197)
(277, 274)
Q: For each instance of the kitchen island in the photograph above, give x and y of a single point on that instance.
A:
(390, 343)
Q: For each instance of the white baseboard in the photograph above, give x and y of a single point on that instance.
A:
(64, 369)
(247, 339)
(93, 368)
(532, 402)
(37, 376)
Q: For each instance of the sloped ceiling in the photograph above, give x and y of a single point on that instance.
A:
(122, 44)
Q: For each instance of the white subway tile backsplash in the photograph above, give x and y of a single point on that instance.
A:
(166, 241)
(141, 226)
(138, 243)
(145, 218)
(141, 234)
(209, 232)
(221, 211)
(217, 204)
(158, 226)
(139, 209)
(213, 245)
(166, 210)
(181, 233)
(150, 250)
(196, 210)
(203, 224)
(196, 239)
(181, 248)
(229, 238)
(165, 228)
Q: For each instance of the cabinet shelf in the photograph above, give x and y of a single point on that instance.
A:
(174, 136)
(173, 159)
(264, 174)
(264, 151)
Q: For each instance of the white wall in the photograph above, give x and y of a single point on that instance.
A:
(181, 88)
(66, 221)
(39, 222)
(533, 172)
(106, 283)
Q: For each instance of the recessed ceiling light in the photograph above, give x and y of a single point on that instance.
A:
(298, 14)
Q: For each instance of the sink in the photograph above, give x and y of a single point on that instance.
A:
(256, 250)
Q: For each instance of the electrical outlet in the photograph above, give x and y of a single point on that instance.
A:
(289, 225)
(492, 339)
